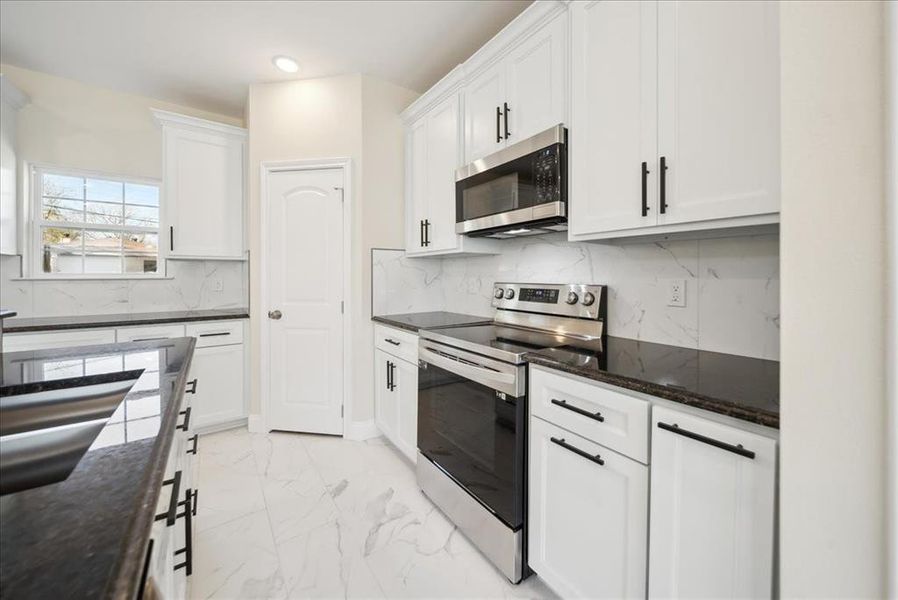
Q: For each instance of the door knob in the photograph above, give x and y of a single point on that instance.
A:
(275, 314)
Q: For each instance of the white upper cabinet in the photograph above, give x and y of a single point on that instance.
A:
(674, 117)
(12, 100)
(517, 84)
(613, 123)
(712, 509)
(203, 188)
(718, 126)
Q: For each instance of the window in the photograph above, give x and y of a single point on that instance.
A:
(94, 225)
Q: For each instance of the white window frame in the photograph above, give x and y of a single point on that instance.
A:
(33, 265)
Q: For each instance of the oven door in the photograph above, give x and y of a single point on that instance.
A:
(471, 424)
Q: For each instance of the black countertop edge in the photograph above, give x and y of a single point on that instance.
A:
(414, 322)
(682, 396)
(36, 324)
(132, 556)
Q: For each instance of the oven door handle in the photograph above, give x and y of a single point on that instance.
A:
(491, 378)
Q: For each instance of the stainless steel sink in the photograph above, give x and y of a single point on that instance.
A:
(43, 435)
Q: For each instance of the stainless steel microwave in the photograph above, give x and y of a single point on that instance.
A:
(520, 190)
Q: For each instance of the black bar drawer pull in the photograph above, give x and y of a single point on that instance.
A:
(563, 404)
(706, 440)
(662, 175)
(153, 339)
(498, 131)
(171, 238)
(186, 424)
(596, 459)
(392, 376)
(505, 119)
(196, 499)
(391, 341)
(195, 439)
(421, 233)
(426, 232)
(192, 388)
(215, 334)
(645, 191)
(171, 514)
(388, 375)
(187, 550)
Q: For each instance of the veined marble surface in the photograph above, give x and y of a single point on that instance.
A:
(732, 286)
(285, 515)
(191, 287)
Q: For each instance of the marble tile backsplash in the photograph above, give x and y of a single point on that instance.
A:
(732, 286)
(190, 285)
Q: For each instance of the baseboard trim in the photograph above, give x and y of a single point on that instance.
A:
(256, 424)
(236, 423)
(361, 430)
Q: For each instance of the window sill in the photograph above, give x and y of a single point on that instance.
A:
(95, 278)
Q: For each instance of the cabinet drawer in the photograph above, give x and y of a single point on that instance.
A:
(401, 344)
(216, 333)
(597, 413)
(148, 332)
(21, 342)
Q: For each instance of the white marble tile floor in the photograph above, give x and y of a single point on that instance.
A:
(286, 515)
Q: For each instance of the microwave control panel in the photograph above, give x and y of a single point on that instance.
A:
(547, 175)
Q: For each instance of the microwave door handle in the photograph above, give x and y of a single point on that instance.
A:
(504, 382)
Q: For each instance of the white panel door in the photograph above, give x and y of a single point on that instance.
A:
(712, 510)
(536, 84)
(416, 185)
(405, 377)
(718, 89)
(484, 95)
(442, 160)
(305, 284)
(613, 115)
(588, 521)
(204, 193)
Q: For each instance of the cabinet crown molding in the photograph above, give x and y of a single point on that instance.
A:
(167, 118)
(12, 95)
(451, 83)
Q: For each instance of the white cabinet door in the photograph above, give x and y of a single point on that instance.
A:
(712, 510)
(442, 160)
(405, 376)
(613, 116)
(219, 388)
(386, 400)
(203, 193)
(484, 96)
(536, 84)
(12, 100)
(718, 86)
(21, 342)
(588, 521)
(416, 185)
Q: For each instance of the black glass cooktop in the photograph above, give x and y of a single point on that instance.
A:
(498, 341)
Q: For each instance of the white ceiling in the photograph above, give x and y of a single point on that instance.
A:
(205, 53)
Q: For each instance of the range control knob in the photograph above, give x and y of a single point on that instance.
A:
(571, 298)
(588, 299)
(509, 294)
(498, 294)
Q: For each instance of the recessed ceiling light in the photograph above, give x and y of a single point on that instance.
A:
(285, 64)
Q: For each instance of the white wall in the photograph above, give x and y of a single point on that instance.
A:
(346, 116)
(833, 426)
(732, 286)
(72, 124)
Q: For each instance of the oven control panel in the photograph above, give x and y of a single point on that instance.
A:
(579, 300)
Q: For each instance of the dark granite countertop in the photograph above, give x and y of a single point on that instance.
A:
(86, 536)
(32, 324)
(430, 320)
(736, 386)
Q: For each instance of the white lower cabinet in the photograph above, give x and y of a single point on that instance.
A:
(712, 509)
(218, 371)
(396, 401)
(588, 511)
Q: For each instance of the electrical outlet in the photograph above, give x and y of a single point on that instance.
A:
(218, 285)
(676, 292)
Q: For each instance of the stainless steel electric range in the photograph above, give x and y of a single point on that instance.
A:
(472, 409)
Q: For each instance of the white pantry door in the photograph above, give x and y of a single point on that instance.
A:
(305, 292)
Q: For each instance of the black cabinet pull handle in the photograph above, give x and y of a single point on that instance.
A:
(171, 238)
(195, 439)
(392, 376)
(389, 377)
(152, 339)
(391, 341)
(421, 233)
(426, 232)
(219, 334)
(187, 550)
(645, 191)
(662, 175)
(706, 440)
(192, 387)
(505, 119)
(171, 514)
(186, 424)
(196, 499)
(596, 459)
(498, 131)
(563, 404)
